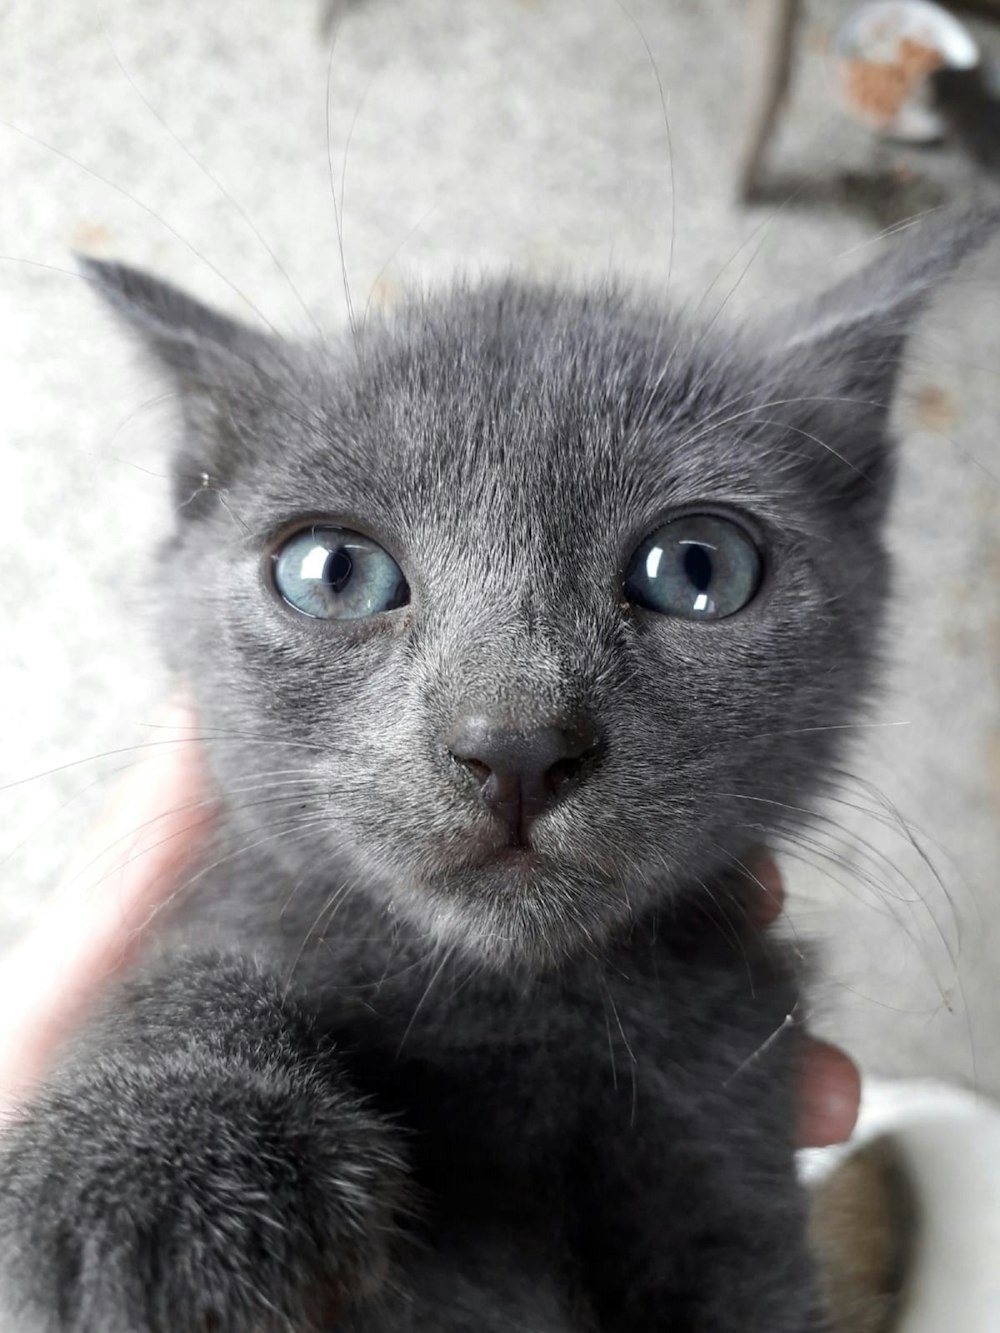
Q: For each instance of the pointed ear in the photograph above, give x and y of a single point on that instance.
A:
(188, 338)
(225, 373)
(865, 319)
(837, 358)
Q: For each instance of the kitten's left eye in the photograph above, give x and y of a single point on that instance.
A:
(334, 574)
(698, 566)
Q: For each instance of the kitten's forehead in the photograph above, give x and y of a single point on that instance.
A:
(524, 403)
(523, 410)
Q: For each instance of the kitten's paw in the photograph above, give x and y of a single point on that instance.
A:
(194, 1192)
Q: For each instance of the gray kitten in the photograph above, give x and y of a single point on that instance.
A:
(512, 626)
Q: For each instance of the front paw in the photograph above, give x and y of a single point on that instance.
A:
(193, 1191)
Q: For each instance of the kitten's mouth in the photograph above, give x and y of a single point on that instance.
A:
(514, 851)
(490, 849)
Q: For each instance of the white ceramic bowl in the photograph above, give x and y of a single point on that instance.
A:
(883, 53)
(948, 1143)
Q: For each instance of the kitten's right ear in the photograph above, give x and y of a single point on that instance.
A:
(189, 339)
(224, 371)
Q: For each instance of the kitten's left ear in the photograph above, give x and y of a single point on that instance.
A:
(869, 314)
(836, 359)
(225, 371)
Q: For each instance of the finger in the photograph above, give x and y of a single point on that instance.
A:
(830, 1088)
(765, 893)
(93, 925)
(829, 1096)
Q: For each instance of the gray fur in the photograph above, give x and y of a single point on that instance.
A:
(373, 1078)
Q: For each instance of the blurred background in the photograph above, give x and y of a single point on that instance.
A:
(480, 135)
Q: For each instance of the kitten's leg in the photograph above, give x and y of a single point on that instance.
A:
(201, 1163)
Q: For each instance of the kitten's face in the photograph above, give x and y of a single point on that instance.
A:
(509, 451)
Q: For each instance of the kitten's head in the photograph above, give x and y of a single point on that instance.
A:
(534, 607)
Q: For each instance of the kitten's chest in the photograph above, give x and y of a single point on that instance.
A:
(516, 1094)
(523, 1092)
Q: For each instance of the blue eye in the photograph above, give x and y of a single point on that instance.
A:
(334, 574)
(698, 566)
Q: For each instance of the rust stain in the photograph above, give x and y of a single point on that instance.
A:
(90, 236)
(935, 408)
(384, 292)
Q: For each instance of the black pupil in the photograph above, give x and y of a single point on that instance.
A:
(337, 569)
(698, 565)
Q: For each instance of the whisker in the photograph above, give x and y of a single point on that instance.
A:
(135, 832)
(293, 829)
(394, 254)
(151, 212)
(839, 726)
(446, 955)
(213, 180)
(338, 219)
(787, 1022)
(633, 1063)
(327, 911)
(199, 737)
(794, 844)
(655, 69)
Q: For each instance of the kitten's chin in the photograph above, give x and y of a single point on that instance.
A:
(517, 908)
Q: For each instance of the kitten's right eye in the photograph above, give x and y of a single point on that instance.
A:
(335, 574)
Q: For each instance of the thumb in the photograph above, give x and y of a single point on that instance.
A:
(94, 923)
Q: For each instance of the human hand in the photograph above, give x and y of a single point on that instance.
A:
(94, 924)
(830, 1084)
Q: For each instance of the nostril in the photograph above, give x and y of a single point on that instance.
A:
(521, 772)
(480, 771)
(561, 773)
